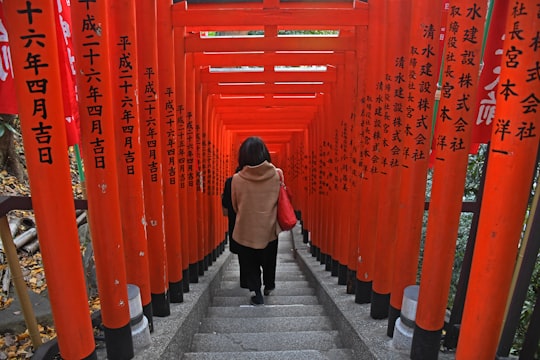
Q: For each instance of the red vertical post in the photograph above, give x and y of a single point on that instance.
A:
(357, 140)
(512, 160)
(191, 172)
(422, 83)
(371, 123)
(180, 85)
(39, 96)
(398, 18)
(451, 142)
(150, 120)
(167, 105)
(199, 180)
(123, 41)
(91, 39)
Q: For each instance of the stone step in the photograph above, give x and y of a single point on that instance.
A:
(333, 354)
(268, 341)
(280, 291)
(235, 284)
(265, 311)
(263, 324)
(268, 300)
(280, 276)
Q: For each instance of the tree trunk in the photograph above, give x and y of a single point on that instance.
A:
(10, 160)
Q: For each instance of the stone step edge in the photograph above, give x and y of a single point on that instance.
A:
(262, 355)
(173, 334)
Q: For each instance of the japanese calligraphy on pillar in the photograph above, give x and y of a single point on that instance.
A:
(398, 91)
(190, 152)
(128, 111)
(377, 127)
(365, 134)
(181, 147)
(422, 78)
(149, 114)
(520, 81)
(170, 130)
(199, 163)
(386, 125)
(460, 78)
(35, 70)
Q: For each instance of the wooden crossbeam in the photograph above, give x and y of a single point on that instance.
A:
(288, 88)
(332, 18)
(196, 44)
(268, 76)
(252, 58)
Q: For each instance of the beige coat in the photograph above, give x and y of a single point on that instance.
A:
(254, 196)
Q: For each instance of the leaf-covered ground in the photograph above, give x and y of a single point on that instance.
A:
(19, 346)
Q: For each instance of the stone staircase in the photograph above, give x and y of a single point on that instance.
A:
(291, 325)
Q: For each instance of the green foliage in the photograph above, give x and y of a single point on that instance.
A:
(471, 192)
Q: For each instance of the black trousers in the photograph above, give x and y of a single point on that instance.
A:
(252, 261)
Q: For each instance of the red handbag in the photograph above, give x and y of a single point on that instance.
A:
(285, 211)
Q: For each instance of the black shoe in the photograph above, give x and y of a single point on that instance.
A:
(257, 300)
(268, 291)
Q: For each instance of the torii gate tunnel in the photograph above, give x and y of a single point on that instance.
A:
(355, 101)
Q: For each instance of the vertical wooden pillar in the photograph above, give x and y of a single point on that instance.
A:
(34, 53)
(512, 159)
(191, 172)
(202, 239)
(180, 85)
(91, 39)
(398, 18)
(371, 120)
(150, 119)
(451, 143)
(128, 146)
(167, 105)
(421, 84)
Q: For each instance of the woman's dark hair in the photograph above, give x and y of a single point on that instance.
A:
(253, 151)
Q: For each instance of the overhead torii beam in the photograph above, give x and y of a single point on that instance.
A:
(267, 76)
(309, 18)
(194, 43)
(279, 58)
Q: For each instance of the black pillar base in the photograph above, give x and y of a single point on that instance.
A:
(119, 342)
(206, 262)
(342, 274)
(149, 313)
(194, 273)
(315, 252)
(393, 315)
(379, 305)
(176, 292)
(185, 283)
(334, 271)
(161, 305)
(321, 257)
(305, 234)
(200, 266)
(328, 263)
(363, 292)
(351, 282)
(215, 254)
(425, 344)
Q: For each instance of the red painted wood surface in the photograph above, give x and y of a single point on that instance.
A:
(39, 97)
(512, 160)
